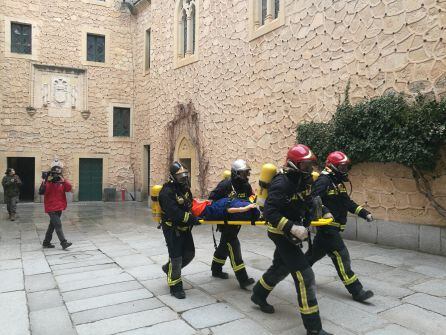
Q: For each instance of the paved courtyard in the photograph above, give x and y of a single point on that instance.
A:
(110, 282)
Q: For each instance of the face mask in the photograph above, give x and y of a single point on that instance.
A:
(182, 178)
(306, 167)
(243, 175)
(343, 168)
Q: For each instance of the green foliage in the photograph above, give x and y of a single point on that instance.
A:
(383, 129)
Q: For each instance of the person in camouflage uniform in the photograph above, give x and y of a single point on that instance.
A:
(11, 188)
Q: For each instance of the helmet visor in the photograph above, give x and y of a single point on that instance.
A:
(182, 178)
(344, 168)
(306, 166)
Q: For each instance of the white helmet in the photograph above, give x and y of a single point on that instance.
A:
(240, 170)
(56, 162)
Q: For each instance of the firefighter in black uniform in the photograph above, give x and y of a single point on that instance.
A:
(330, 187)
(287, 211)
(175, 199)
(235, 187)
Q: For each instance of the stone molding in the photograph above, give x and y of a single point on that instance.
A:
(72, 90)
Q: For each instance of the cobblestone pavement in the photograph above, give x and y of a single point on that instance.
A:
(110, 282)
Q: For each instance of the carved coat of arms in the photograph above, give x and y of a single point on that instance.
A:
(60, 90)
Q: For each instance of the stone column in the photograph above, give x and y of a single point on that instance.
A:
(190, 31)
(269, 11)
(257, 4)
(181, 27)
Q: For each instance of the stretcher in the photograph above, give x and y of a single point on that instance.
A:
(267, 173)
(318, 223)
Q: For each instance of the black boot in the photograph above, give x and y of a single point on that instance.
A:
(245, 283)
(362, 295)
(259, 296)
(65, 244)
(177, 292)
(48, 245)
(264, 306)
(318, 332)
(165, 268)
(219, 274)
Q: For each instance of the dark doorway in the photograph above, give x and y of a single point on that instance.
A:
(90, 179)
(25, 168)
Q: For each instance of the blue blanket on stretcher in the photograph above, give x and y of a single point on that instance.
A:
(217, 211)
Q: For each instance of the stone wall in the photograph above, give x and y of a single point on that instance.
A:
(251, 95)
(60, 28)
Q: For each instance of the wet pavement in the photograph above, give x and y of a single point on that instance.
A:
(110, 282)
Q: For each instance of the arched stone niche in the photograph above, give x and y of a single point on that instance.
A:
(186, 154)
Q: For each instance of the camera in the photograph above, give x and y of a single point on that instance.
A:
(51, 176)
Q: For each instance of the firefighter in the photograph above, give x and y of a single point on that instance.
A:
(287, 211)
(328, 240)
(236, 187)
(175, 199)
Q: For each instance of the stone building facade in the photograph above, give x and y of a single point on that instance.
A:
(54, 102)
(232, 77)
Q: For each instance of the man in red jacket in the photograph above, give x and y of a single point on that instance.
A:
(53, 188)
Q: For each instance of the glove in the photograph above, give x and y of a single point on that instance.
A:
(299, 231)
(328, 216)
(369, 217)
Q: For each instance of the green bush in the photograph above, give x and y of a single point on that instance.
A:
(383, 129)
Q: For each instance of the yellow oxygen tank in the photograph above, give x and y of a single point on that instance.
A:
(226, 174)
(156, 208)
(315, 175)
(266, 175)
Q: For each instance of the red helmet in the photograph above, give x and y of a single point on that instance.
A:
(300, 158)
(338, 161)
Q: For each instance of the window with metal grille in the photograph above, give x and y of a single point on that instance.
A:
(21, 38)
(121, 122)
(95, 48)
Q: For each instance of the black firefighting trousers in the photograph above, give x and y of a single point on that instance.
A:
(328, 241)
(289, 259)
(181, 248)
(229, 246)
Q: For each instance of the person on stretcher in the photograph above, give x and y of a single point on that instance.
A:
(225, 209)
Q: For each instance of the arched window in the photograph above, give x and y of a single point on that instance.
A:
(264, 16)
(186, 17)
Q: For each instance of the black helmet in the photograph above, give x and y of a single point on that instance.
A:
(179, 174)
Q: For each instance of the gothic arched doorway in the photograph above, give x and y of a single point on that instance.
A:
(185, 153)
